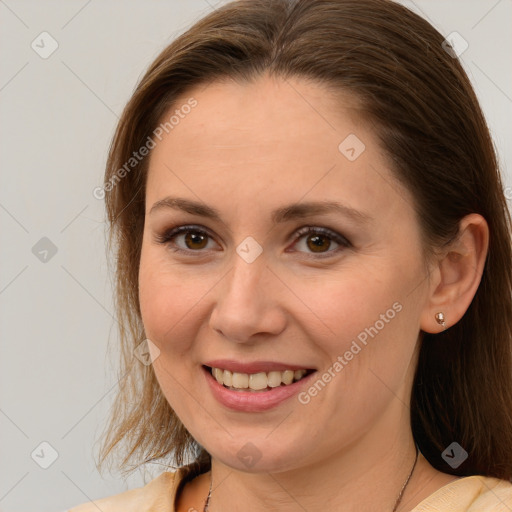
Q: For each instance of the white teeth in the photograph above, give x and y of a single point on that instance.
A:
(228, 378)
(240, 380)
(274, 379)
(218, 374)
(256, 381)
(287, 377)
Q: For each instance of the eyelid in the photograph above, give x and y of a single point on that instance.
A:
(169, 234)
(343, 242)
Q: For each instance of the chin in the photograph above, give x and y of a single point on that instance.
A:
(258, 455)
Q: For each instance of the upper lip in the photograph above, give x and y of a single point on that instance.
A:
(253, 366)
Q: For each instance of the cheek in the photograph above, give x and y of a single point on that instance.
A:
(163, 301)
(167, 301)
(347, 302)
(368, 318)
(170, 299)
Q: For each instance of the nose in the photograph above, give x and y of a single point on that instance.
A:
(247, 305)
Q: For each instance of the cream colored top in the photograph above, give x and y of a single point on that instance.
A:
(468, 494)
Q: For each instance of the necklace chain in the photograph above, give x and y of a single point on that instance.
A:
(402, 490)
(397, 502)
(207, 502)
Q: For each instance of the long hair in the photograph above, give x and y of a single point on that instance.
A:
(430, 125)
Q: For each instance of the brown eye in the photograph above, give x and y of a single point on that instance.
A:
(187, 239)
(196, 240)
(318, 243)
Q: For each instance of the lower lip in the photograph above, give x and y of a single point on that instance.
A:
(253, 401)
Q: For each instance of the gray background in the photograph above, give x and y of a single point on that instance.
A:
(57, 118)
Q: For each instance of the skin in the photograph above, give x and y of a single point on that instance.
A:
(246, 150)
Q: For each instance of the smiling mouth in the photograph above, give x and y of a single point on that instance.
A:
(262, 381)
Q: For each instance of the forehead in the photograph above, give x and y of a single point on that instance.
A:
(267, 110)
(267, 141)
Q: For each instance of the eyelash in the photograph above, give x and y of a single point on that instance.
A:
(167, 237)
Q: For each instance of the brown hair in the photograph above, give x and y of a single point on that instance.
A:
(430, 125)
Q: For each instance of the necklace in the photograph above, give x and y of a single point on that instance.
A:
(207, 503)
(402, 490)
(397, 502)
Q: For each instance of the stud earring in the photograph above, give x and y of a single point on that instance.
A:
(440, 319)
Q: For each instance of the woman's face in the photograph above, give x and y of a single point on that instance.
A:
(248, 290)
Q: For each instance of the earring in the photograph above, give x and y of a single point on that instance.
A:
(440, 319)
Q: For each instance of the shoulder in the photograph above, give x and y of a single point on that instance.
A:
(470, 494)
(158, 494)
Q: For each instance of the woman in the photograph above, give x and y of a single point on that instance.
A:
(314, 246)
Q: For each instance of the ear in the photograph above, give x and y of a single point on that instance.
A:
(456, 275)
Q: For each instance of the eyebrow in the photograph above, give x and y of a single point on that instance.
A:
(280, 215)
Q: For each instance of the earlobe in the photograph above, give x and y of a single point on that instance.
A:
(440, 319)
(436, 322)
(459, 270)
